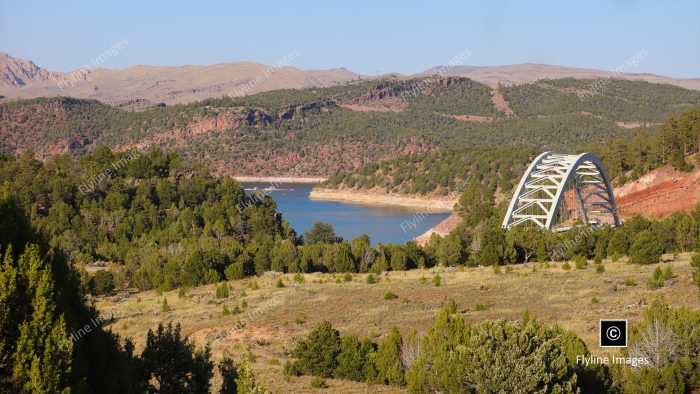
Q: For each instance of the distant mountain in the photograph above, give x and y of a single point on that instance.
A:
(170, 85)
(15, 72)
(530, 72)
(152, 85)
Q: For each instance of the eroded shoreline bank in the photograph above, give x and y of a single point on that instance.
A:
(278, 179)
(367, 197)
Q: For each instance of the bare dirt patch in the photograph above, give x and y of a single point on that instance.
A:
(501, 104)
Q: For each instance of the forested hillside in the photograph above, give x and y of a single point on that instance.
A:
(450, 171)
(324, 131)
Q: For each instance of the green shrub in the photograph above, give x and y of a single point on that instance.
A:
(599, 268)
(225, 311)
(615, 256)
(347, 277)
(102, 282)
(182, 292)
(354, 359)
(657, 279)
(388, 360)
(481, 307)
(630, 282)
(279, 283)
(298, 278)
(566, 266)
(581, 262)
(316, 355)
(671, 372)
(437, 280)
(390, 295)
(235, 271)
(319, 383)
(645, 249)
(456, 357)
(695, 261)
(668, 273)
(594, 299)
(291, 368)
(253, 285)
(370, 279)
(496, 269)
(165, 307)
(222, 290)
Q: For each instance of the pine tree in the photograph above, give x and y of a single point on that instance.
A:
(173, 363)
(351, 359)
(388, 360)
(316, 355)
(42, 360)
(542, 251)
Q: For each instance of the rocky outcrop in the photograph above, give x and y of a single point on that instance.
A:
(138, 105)
(19, 72)
(294, 111)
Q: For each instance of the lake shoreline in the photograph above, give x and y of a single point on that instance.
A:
(278, 179)
(367, 197)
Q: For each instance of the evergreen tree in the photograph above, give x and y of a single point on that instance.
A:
(388, 360)
(321, 233)
(351, 359)
(317, 354)
(173, 363)
(645, 249)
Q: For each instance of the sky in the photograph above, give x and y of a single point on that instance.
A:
(367, 37)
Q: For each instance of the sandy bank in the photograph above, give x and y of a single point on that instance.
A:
(442, 229)
(430, 204)
(278, 179)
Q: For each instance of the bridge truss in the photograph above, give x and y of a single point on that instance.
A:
(542, 189)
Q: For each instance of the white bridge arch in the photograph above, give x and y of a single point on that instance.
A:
(542, 188)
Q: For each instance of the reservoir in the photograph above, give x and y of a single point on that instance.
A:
(383, 223)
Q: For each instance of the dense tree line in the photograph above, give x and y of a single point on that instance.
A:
(449, 171)
(441, 172)
(51, 341)
(616, 99)
(166, 222)
(675, 143)
(485, 242)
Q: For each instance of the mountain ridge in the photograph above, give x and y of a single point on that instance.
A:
(21, 78)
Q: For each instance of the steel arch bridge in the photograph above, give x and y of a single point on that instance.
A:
(542, 189)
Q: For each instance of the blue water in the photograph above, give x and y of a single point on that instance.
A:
(383, 223)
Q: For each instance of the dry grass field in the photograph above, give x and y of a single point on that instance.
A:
(273, 319)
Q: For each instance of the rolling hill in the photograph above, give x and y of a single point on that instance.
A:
(324, 131)
(151, 85)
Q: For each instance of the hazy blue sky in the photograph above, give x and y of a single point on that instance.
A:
(368, 37)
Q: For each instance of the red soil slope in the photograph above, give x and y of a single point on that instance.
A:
(659, 193)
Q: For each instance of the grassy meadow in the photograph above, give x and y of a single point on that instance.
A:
(264, 321)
